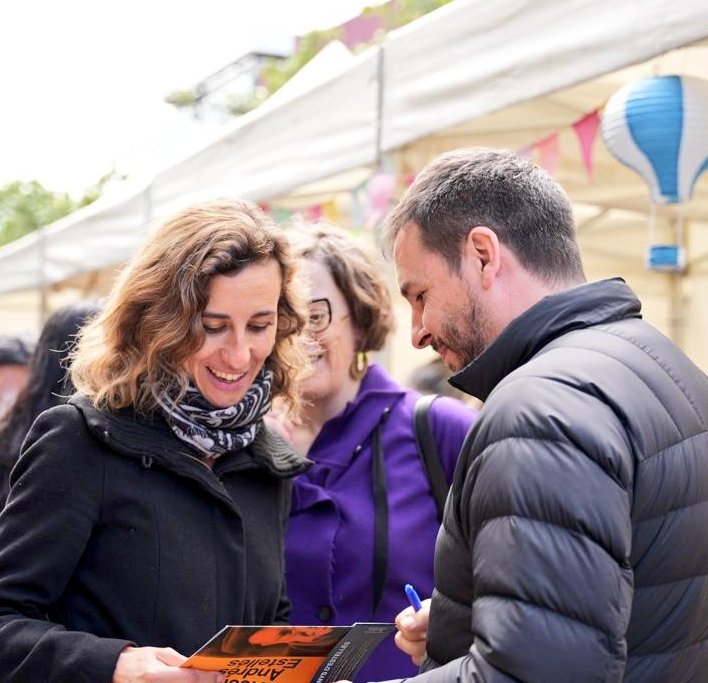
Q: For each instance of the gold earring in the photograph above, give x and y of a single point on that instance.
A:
(359, 366)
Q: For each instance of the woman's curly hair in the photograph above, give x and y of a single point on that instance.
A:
(137, 348)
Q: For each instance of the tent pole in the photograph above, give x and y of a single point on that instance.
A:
(386, 357)
(43, 289)
(676, 309)
(676, 299)
(379, 105)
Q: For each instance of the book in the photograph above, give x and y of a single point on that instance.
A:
(289, 654)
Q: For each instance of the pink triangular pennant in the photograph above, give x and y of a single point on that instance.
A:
(586, 130)
(550, 152)
(314, 213)
(379, 193)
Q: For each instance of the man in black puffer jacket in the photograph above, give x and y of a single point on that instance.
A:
(573, 546)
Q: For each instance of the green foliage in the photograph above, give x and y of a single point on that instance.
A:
(26, 206)
(238, 104)
(393, 15)
(402, 12)
(182, 98)
(275, 72)
(95, 191)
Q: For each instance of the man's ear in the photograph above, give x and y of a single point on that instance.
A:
(482, 248)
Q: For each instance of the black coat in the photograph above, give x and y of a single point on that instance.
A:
(115, 533)
(574, 539)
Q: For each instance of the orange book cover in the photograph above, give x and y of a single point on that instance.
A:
(289, 654)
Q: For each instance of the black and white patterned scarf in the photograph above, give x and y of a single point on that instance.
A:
(215, 431)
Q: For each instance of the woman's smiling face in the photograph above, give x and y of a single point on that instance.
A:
(240, 322)
(336, 344)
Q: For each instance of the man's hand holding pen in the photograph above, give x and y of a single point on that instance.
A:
(412, 625)
(412, 628)
(412, 632)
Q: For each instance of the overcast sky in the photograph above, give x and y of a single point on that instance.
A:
(82, 81)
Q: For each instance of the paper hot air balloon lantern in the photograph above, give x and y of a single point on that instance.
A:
(658, 126)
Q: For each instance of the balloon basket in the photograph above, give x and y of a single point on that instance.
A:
(666, 258)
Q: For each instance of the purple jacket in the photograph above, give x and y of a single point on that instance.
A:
(330, 540)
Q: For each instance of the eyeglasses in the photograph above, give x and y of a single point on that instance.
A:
(320, 315)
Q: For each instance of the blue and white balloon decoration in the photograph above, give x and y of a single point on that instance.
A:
(658, 126)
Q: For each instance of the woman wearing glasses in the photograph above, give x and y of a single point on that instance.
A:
(363, 521)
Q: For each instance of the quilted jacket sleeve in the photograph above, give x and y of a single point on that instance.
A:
(51, 510)
(532, 565)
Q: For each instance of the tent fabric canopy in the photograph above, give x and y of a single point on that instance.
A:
(439, 76)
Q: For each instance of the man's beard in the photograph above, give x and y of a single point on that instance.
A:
(465, 334)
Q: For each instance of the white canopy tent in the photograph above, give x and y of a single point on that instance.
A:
(501, 74)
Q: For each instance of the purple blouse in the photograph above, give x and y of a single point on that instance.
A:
(330, 539)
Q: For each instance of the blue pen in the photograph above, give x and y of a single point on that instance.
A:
(413, 597)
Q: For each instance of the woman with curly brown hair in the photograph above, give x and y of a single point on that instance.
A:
(149, 510)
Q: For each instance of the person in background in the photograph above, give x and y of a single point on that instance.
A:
(363, 520)
(570, 545)
(48, 382)
(15, 352)
(433, 378)
(149, 510)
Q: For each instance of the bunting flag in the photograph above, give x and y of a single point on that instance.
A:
(379, 193)
(550, 152)
(330, 213)
(327, 211)
(313, 213)
(548, 149)
(586, 130)
(281, 215)
(371, 199)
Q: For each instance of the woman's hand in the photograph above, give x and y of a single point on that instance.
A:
(158, 665)
(412, 631)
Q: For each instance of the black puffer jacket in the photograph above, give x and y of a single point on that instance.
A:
(574, 541)
(115, 533)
